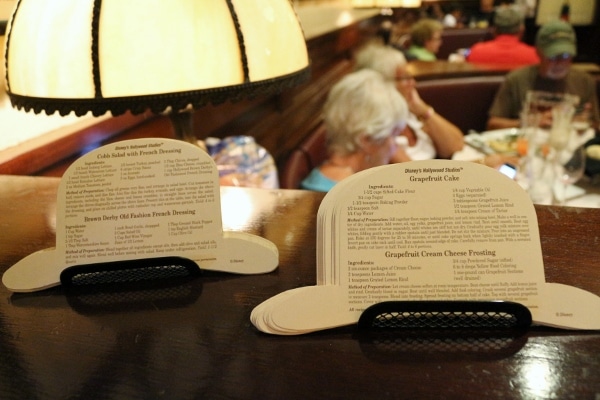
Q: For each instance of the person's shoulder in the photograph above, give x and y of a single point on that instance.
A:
(483, 45)
(580, 75)
(317, 181)
(581, 81)
(414, 49)
(527, 72)
(421, 53)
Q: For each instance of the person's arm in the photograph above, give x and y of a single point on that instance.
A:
(446, 136)
(496, 160)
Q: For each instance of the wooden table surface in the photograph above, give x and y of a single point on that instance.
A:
(195, 340)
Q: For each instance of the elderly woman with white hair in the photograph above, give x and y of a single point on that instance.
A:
(363, 116)
(427, 134)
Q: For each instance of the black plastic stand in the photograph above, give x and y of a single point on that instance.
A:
(143, 284)
(128, 271)
(443, 315)
(422, 331)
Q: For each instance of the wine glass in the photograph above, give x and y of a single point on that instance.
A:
(582, 120)
(570, 168)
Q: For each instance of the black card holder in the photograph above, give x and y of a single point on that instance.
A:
(131, 285)
(426, 331)
(445, 315)
(128, 272)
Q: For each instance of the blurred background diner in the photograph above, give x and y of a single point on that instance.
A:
(455, 17)
(483, 16)
(507, 46)
(289, 125)
(130, 353)
(425, 39)
(556, 45)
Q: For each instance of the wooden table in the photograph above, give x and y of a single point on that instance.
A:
(195, 340)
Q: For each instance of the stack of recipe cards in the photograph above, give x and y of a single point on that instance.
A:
(425, 230)
(140, 199)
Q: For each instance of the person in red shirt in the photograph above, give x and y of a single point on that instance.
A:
(506, 47)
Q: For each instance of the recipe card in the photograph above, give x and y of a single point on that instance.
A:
(419, 231)
(437, 231)
(138, 199)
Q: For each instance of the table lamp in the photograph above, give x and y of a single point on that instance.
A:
(170, 56)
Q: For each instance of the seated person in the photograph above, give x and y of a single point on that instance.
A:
(427, 134)
(363, 115)
(454, 17)
(484, 16)
(506, 47)
(425, 39)
(556, 47)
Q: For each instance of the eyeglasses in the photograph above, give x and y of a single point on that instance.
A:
(560, 57)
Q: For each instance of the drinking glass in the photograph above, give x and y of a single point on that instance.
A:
(570, 166)
(534, 149)
(543, 104)
(582, 120)
(560, 131)
(546, 125)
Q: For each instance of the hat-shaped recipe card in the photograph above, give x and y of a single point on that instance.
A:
(136, 200)
(428, 231)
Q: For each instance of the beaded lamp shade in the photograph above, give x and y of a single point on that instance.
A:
(166, 56)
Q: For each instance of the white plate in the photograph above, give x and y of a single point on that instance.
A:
(481, 141)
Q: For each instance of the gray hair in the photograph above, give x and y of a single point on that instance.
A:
(362, 103)
(380, 58)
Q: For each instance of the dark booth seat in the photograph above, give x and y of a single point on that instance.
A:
(461, 38)
(463, 101)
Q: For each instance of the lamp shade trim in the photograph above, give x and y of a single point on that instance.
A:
(158, 103)
(84, 57)
(240, 36)
(7, 33)
(95, 60)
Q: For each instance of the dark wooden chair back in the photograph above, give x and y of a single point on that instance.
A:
(310, 154)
